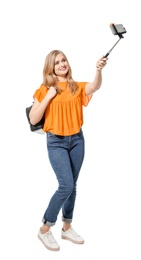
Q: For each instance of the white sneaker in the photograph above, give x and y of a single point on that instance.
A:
(49, 241)
(71, 235)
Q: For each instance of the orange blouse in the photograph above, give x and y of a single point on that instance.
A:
(64, 113)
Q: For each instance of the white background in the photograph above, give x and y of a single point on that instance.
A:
(108, 207)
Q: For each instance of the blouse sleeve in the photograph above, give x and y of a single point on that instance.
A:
(85, 98)
(40, 93)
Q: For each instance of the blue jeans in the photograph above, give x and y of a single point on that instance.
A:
(66, 154)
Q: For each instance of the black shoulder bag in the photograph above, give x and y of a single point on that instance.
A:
(35, 128)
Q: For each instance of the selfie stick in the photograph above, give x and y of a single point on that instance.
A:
(117, 30)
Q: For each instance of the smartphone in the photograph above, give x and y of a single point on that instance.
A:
(117, 29)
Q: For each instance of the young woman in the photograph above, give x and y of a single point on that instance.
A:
(60, 100)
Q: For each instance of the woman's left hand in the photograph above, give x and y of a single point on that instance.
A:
(101, 63)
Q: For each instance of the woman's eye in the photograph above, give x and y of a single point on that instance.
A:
(57, 62)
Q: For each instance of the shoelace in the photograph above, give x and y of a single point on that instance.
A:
(73, 232)
(50, 237)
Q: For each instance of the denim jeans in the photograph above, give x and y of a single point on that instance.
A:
(66, 154)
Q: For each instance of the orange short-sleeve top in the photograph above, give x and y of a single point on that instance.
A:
(64, 113)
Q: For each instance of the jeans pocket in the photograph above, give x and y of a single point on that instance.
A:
(50, 135)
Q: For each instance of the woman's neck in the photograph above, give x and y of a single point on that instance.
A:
(61, 79)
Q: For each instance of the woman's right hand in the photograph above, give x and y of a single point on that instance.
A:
(51, 92)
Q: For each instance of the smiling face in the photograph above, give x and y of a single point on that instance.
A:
(61, 67)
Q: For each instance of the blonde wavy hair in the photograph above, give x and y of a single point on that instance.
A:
(49, 77)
